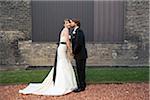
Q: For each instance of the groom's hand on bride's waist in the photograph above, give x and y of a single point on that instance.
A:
(71, 54)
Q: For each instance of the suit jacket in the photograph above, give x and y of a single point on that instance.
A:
(78, 44)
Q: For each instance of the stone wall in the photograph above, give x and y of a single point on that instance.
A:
(15, 15)
(37, 54)
(137, 27)
(9, 51)
(133, 52)
(15, 25)
(42, 54)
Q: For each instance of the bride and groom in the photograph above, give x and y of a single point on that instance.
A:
(62, 78)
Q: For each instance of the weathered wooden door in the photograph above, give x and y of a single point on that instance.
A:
(102, 21)
(108, 21)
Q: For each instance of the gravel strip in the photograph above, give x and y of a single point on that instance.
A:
(126, 91)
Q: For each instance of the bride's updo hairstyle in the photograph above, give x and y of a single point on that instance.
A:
(64, 23)
(66, 20)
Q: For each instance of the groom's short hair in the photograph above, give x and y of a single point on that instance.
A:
(77, 21)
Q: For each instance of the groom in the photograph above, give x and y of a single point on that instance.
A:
(80, 53)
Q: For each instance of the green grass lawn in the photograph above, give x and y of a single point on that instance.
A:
(93, 75)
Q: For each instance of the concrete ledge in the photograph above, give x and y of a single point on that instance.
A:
(12, 67)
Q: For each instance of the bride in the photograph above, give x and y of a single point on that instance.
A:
(65, 81)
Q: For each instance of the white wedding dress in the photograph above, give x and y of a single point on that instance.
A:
(65, 81)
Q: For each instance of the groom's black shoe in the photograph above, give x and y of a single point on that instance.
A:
(79, 90)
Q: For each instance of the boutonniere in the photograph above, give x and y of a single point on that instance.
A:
(69, 36)
(74, 32)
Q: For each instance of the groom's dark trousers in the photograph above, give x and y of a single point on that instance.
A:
(80, 64)
(80, 55)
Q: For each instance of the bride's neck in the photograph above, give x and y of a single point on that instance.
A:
(65, 27)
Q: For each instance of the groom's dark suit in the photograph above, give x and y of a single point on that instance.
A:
(80, 55)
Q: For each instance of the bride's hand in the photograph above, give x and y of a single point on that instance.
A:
(69, 54)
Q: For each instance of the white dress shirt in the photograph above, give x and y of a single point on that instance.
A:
(74, 31)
